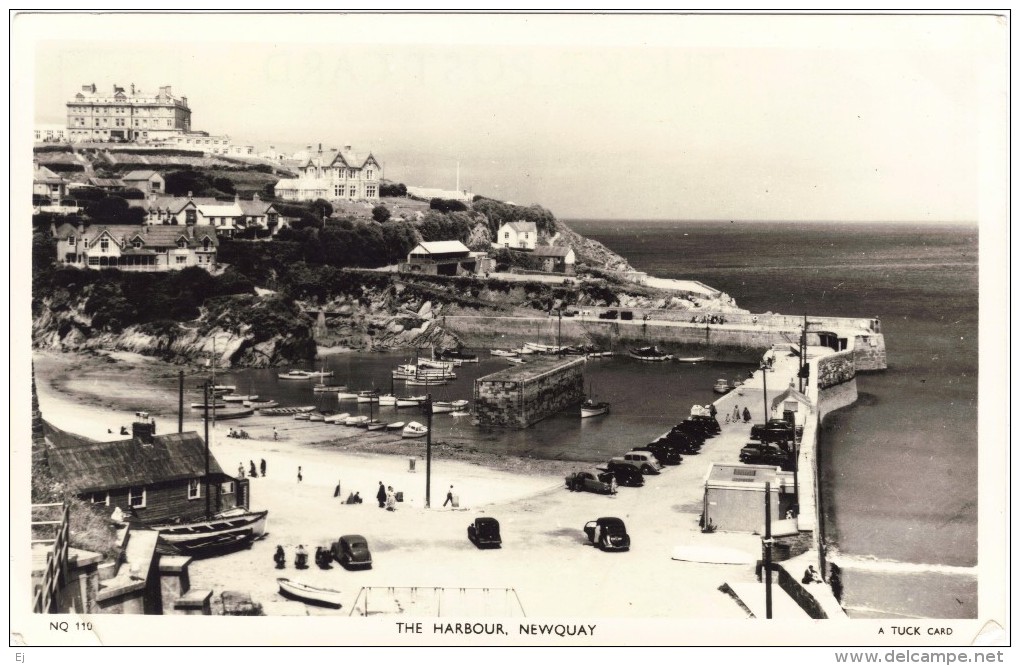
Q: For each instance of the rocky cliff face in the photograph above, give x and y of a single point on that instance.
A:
(590, 251)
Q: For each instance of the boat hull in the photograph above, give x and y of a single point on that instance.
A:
(310, 595)
(214, 527)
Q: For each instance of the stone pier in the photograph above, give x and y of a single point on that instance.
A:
(525, 394)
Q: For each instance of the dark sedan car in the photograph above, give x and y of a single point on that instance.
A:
(626, 473)
(608, 534)
(484, 533)
(351, 551)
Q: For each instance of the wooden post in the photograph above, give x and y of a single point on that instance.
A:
(428, 451)
(180, 402)
(767, 548)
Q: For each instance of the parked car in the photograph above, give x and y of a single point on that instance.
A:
(608, 534)
(603, 483)
(484, 533)
(626, 474)
(609, 314)
(665, 453)
(643, 460)
(774, 430)
(759, 453)
(351, 551)
(626, 315)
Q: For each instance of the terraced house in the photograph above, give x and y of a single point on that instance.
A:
(337, 174)
(146, 247)
(227, 217)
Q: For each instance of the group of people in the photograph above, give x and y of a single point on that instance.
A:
(708, 319)
(300, 557)
(352, 498)
(737, 415)
(253, 472)
(238, 434)
(386, 497)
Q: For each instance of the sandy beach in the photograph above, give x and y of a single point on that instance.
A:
(544, 559)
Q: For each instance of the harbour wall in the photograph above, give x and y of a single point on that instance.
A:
(733, 341)
(518, 397)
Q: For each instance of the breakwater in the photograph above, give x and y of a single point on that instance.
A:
(743, 338)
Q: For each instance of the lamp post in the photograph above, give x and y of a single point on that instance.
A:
(428, 451)
(766, 544)
(765, 391)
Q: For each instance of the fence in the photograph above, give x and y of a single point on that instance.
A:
(55, 573)
(438, 602)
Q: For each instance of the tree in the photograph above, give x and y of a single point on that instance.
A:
(322, 209)
(380, 213)
(114, 210)
(224, 185)
(133, 193)
(392, 190)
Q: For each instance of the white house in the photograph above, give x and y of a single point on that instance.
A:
(556, 258)
(340, 174)
(517, 235)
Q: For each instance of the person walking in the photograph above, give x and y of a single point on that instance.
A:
(336, 492)
(381, 495)
(736, 413)
(276, 435)
(712, 411)
(747, 415)
(449, 497)
(299, 477)
(240, 470)
(254, 472)
(391, 499)
(262, 466)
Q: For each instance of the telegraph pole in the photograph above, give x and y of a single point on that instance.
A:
(765, 391)
(766, 543)
(180, 402)
(206, 388)
(428, 451)
(803, 355)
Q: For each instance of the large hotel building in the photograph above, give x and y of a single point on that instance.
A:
(127, 115)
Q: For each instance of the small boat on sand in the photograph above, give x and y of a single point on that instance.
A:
(212, 405)
(303, 416)
(375, 425)
(356, 420)
(414, 429)
(210, 546)
(396, 425)
(514, 359)
(224, 414)
(285, 411)
(227, 523)
(317, 416)
(337, 418)
(319, 596)
(238, 397)
(261, 404)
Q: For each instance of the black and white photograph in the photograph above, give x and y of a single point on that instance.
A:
(510, 329)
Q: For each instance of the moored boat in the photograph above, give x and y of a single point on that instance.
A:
(388, 400)
(375, 424)
(224, 388)
(652, 353)
(368, 396)
(337, 418)
(414, 429)
(690, 359)
(238, 397)
(515, 359)
(591, 408)
(455, 355)
(722, 386)
(502, 352)
(426, 381)
(410, 400)
(224, 414)
(261, 404)
(329, 388)
(346, 395)
(442, 407)
(295, 374)
(355, 420)
(396, 425)
(319, 596)
(459, 405)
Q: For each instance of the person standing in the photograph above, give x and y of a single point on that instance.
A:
(276, 435)
(736, 413)
(299, 477)
(240, 470)
(712, 411)
(381, 495)
(262, 466)
(747, 415)
(391, 499)
(449, 497)
(336, 492)
(254, 472)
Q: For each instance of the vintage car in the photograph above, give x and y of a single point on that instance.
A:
(664, 452)
(625, 472)
(603, 483)
(759, 453)
(608, 534)
(484, 533)
(351, 551)
(775, 430)
(643, 460)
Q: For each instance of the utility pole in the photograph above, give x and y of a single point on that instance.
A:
(765, 391)
(428, 451)
(206, 389)
(803, 355)
(796, 464)
(766, 544)
(559, 327)
(180, 402)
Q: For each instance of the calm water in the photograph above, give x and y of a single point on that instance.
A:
(900, 466)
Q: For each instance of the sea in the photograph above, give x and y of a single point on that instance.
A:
(899, 467)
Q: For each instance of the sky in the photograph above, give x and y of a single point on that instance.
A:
(625, 117)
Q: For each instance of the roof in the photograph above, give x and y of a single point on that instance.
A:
(152, 235)
(106, 182)
(790, 394)
(254, 207)
(127, 462)
(220, 209)
(522, 226)
(552, 251)
(144, 174)
(345, 158)
(440, 247)
(43, 175)
(173, 204)
(739, 475)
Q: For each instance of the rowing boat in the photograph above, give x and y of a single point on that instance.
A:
(320, 596)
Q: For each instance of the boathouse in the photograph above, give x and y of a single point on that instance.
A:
(441, 258)
(734, 498)
(525, 394)
(151, 478)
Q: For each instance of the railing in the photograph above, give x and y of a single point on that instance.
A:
(55, 574)
(438, 602)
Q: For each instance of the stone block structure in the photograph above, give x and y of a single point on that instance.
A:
(525, 394)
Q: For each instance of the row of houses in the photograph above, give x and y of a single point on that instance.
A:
(455, 258)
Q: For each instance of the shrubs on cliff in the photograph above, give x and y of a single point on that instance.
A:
(263, 319)
(499, 213)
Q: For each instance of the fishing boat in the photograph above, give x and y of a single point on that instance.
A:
(238, 397)
(388, 400)
(209, 546)
(346, 395)
(455, 355)
(318, 596)
(355, 420)
(515, 359)
(425, 381)
(411, 371)
(502, 352)
(652, 353)
(414, 429)
(261, 404)
(435, 365)
(285, 411)
(295, 374)
(722, 386)
(368, 396)
(690, 359)
(323, 373)
(396, 425)
(230, 522)
(224, 414)
(375, 425)
(329, 388)
(592, 407)
(459, 405)
(337, 418)
(442, 407)
(544, 349)
(410, 401)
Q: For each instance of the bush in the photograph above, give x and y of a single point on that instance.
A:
(447, 205)
(392, 190)
(380, 213)
(60, 167)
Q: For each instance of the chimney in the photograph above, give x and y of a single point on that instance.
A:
(143, 429)
(256, 197)
(132, 89)
(320, 148)
(347, 149)
(81, 228)
(189, 194)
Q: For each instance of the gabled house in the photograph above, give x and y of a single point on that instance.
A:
(793, 401)
(258, 213)
(148, 181)
(556, 258)
(151, 478)
(145, 247)
(226, 216)
(223, 216)
(441, 258)
(517, 235)
(45, 183)
(337, 174)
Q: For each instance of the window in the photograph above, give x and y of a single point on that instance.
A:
(351, 173)
(136, 498)
(227, 487)
(70, 239)
(194, 489)
(339, 190)
(190, 216)
(368, 174)
(205, 244)
(104, 244)
(181, 243)
(93, 261)
(181, 259)
(85, 242)
(525, 234)
(137, 243)
(506, 234)
(370, 191)
(100, 498)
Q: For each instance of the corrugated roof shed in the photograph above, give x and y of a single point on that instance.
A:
(144, 174)
(104, 465)
(551, 251)
(440, 247)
